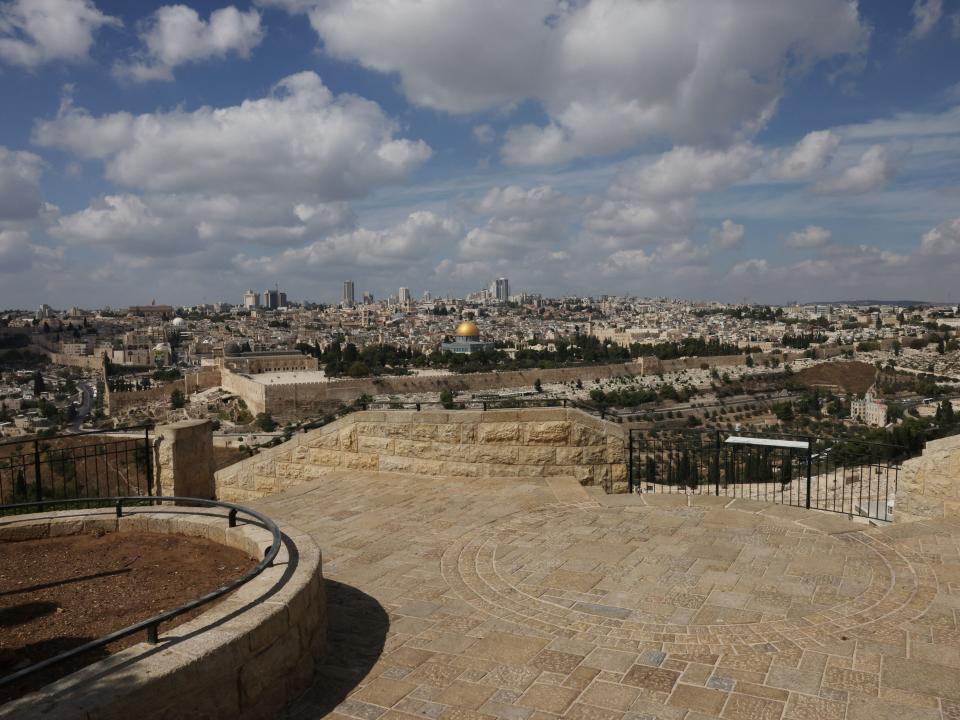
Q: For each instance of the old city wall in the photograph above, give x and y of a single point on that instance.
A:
(252, 392)
(203, 379)
(929, 485)
(297, 400)
(528, 443)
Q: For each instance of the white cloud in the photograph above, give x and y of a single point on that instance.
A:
(872, 171)
(808, 157)
(728, 235)
(516, 201)
(34, 32)
(301, 139)
(175, 34)
(484, 134)
(19, 255)
(812, 236)
(407, 244)
(926, 15)
(632, 222)
(609, 73)
(944, 239)
(750, 268)
(685, 171)
(627, 261)
(19, 185)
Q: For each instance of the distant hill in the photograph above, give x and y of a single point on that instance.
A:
(874, 302)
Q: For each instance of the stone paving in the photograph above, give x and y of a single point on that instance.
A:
(526, 600)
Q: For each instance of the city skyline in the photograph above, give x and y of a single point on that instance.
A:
(189, 153)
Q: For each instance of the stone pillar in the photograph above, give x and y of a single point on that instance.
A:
(184, 459)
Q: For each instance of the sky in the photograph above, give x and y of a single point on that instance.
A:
(739, 150)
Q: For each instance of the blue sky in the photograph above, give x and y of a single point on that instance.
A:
(765, 150)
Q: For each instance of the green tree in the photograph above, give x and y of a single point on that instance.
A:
(537, 386)
(446, 398)
(358, 368)
(266, 422)
(38, 384)
(177, 400)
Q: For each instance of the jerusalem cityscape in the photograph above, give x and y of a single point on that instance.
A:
(475, 360)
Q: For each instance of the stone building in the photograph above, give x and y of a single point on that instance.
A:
(254, 363)
(869, 410)
(467, 340)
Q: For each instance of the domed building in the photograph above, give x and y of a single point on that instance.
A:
(467, 340)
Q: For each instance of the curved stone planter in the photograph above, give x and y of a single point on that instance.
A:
(246, 657)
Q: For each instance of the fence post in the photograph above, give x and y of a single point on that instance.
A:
(36, 468)
(716, 463)
(809, 467)
(630, 460)
(149, 455)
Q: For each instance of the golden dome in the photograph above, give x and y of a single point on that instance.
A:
(467, 329)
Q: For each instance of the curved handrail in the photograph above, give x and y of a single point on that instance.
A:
(151, 624)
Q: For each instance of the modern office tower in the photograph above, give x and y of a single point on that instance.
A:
(502, 289)
(367, 298)
(404, 296)
(348, 293)
(251, 299)
(282, 300)
(271, 299)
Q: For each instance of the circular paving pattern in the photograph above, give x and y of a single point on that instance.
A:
(709, 578)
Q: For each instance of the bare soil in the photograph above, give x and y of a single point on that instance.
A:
(226, 456)
(853, 377)
(59, 593)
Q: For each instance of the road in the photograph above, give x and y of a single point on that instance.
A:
(86, 405)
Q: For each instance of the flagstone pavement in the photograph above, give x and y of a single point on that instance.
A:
(533, 599)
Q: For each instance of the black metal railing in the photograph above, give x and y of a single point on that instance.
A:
(841, 475)
(151, 625)
(76, 466)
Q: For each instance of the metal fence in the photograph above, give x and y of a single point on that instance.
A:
(82, 465)
(840, 475)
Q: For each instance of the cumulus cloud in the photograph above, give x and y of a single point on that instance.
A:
(34, 32)
(728, 235)
(300, 139)
(627, 261)
(409, 243)
(19, 254)
(874, 169)
(750, 268)
(514, 200)
(944, 239)
(609, 73)
(812, 236)
(484, 134)
(175, 34)
(19, 185)
(685, 171)
(808, 157)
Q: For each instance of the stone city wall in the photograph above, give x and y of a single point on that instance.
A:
(929, 485)
(245, 657)
(87, 362)
(527, 443)
(286, 401)
(203, 379)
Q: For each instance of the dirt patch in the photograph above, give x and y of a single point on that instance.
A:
(58, 593)
(853, 377)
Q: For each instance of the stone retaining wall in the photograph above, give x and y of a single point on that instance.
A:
(929, 485)
(531, 442)
(245, 657)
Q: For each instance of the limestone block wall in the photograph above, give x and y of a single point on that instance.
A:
(526, 443)
(929, 485)
(243, 658)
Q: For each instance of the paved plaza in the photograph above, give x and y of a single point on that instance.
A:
(534, 599)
